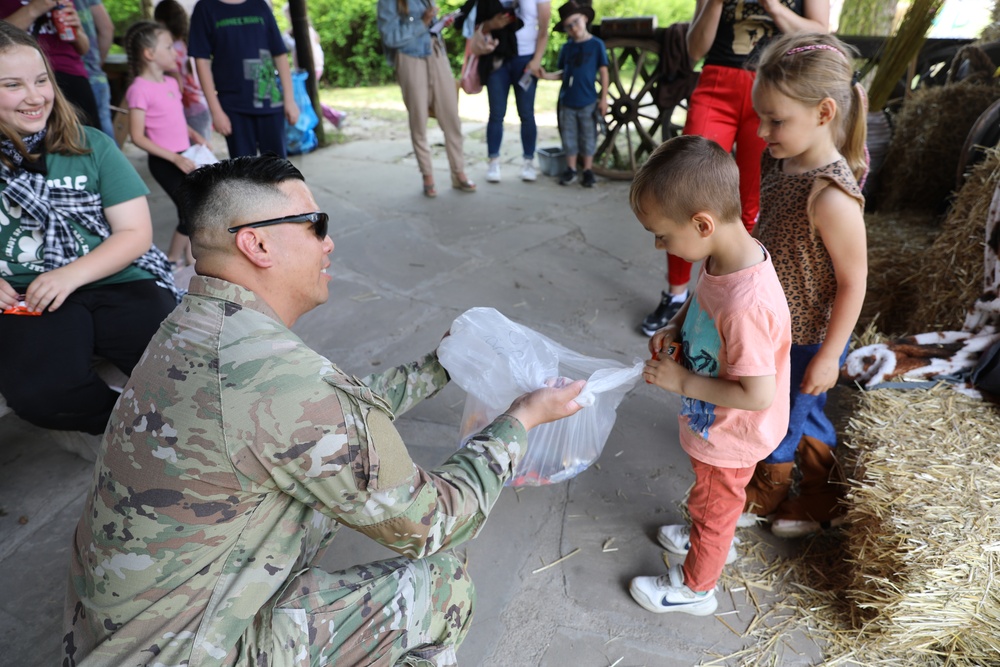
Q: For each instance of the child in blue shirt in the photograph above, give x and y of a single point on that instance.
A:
(242, 64)
(580, 60)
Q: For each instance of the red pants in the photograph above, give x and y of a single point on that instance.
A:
(720, 109)
(715, 503)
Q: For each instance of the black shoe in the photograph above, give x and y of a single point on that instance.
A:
(588, 179)
(567, 177)
(659, 318)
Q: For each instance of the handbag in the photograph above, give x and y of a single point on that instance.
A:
(470, 81)
(481, 43)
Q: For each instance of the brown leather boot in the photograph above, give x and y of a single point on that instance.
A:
(822, 486)
(768, 487)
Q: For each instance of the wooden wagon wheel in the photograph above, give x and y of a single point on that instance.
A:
(636, 126)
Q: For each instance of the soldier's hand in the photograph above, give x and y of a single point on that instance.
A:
(547, 404)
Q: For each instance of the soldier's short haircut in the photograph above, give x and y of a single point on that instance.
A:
(687, 175)
(231, 192)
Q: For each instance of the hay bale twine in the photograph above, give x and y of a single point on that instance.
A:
(923, 155)
(951, 271)
(923, 533)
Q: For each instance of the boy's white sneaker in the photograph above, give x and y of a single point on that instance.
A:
(493, 171)
(676, 539)
(528, 172)
(667, 592)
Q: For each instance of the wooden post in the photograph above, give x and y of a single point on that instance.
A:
(303, 53)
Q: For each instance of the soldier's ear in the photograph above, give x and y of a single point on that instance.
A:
(253, 243)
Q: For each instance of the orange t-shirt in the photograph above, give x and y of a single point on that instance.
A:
(737, 325)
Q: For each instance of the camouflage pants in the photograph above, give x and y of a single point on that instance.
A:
(391, 612)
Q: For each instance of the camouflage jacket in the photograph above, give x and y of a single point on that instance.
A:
(231, 459)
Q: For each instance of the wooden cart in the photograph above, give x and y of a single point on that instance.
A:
(637, 122)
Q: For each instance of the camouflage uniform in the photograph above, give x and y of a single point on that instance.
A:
(232, 457)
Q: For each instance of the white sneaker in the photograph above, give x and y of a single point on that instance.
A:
(528, 172)
(493, 171)
(676, 539)
(749, 519)
(792, 528)
(667, 592)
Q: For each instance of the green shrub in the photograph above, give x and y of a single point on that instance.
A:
(124, 13)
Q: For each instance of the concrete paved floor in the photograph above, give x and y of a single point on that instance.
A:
(570, 262)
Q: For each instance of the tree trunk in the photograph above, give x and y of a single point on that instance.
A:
(867, 17)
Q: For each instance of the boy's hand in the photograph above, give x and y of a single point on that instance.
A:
(661, 340)
(665, 373)
(221, 122)
(602, 106)
(821, 374)
(291, 111)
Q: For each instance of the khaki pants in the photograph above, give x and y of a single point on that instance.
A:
(426, 83)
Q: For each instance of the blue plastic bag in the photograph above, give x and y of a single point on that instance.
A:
(301, 137)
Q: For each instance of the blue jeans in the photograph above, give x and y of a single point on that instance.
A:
(102, 94)
(807, 414)
(498, 88)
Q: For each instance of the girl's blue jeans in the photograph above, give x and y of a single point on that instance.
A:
(497, 88)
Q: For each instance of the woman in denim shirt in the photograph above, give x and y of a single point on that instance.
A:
(427, 82)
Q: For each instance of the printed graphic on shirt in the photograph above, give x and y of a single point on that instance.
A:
(25, 247)
(751, 24)
(262, 73)
(700, 353)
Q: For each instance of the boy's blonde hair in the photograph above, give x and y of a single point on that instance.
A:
(809, 67)
(685, 176)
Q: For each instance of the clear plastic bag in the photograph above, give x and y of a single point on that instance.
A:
(496, 360)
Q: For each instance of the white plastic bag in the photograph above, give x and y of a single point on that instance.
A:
(496, 360)
(200, 154)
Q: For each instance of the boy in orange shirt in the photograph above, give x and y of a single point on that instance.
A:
(732, 372)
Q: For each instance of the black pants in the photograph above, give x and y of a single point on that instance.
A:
(77, 90)
(169, 177)
(46, 371)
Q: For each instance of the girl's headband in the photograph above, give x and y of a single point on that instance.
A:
(815, 47)
(855, 78)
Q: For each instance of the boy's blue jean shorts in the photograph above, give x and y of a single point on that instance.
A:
(578, 128)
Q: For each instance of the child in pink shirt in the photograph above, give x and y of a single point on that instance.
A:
(731, 366)
(156, 119)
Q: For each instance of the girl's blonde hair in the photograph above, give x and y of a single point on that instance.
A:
(64, 131)
(810, 67)
(140, 36)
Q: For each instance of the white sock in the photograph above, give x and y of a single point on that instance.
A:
(679, 298)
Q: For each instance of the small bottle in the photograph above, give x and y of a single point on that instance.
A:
(67, 33)
(525, 80)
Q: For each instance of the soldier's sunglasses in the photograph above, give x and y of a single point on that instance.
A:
(318, 220)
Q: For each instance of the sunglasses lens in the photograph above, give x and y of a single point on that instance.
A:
(321, 224)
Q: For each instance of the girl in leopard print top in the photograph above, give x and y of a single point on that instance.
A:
(812, 116)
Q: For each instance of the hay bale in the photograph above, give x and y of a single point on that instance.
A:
(951, 271)
(930, 130)
(897, 245)
(923, 533)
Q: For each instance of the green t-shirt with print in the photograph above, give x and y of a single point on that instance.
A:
(104, 170)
